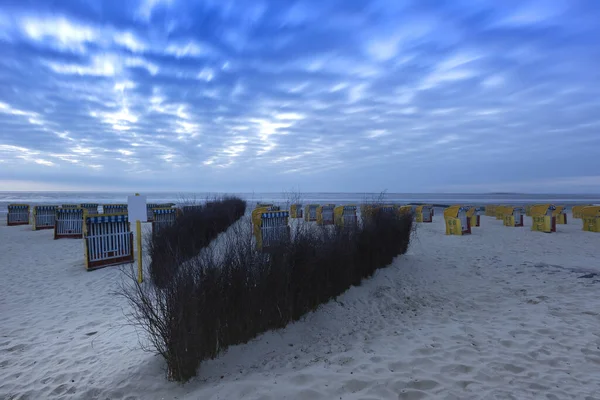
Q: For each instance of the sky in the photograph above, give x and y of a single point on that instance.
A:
(337, 95)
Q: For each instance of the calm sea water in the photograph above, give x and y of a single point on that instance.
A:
(37, 198)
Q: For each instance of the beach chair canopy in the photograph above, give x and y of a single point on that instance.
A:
(558, 210)
(452, 211)
(591, 211)
(541, 209)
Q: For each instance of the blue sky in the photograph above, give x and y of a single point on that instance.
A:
(337, 95)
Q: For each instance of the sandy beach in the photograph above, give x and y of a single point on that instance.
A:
(504, 313)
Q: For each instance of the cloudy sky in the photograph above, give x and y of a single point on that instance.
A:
(323, 95)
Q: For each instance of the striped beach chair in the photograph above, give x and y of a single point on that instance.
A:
(270, 228)
(296, 211)
(591, 218)
(191, 208)
(255, 216)
(68, 223)
(560, 212)
(474, 214)
(577, 211)
(18, 214)
(163, 217)
(114, 208)
(149, 213)
(387, 208)
(513, 216)
(543, 219)
(310, 212)
(403, 210)
(457, 220)
(108, 240)
(424, 213)
(90, 208)
(345, 216)
(325, 214)
(43, 217)
(366, 210)
(500, 212)
(490, 210)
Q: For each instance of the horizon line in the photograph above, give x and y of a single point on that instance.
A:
(300, 192)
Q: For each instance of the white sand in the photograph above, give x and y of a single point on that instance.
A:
(499, 314)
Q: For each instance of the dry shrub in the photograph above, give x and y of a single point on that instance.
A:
(192, 231)
(231, 292)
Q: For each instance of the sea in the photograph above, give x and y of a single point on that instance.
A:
(437, 199)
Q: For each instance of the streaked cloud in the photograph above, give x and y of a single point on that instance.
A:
(332, 96)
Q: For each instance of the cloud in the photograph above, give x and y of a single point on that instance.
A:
(147, 7)
(332, 96)
(187, 49)
(493, 81)
(60, 31)
(387, 45)
(534, 12)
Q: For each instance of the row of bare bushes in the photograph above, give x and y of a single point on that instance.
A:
(194, 230)
(231, 292)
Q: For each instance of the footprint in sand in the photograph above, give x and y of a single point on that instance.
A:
(356, 385)
(16, 348)
(425, 384)
(457, 369)
(515, 369)
(464, 384)
(411, 395)
(301, 379)
(538, 387)
(424, 351)
(417, 385)
(397, 366)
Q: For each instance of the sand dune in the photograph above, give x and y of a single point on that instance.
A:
(504, 313)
